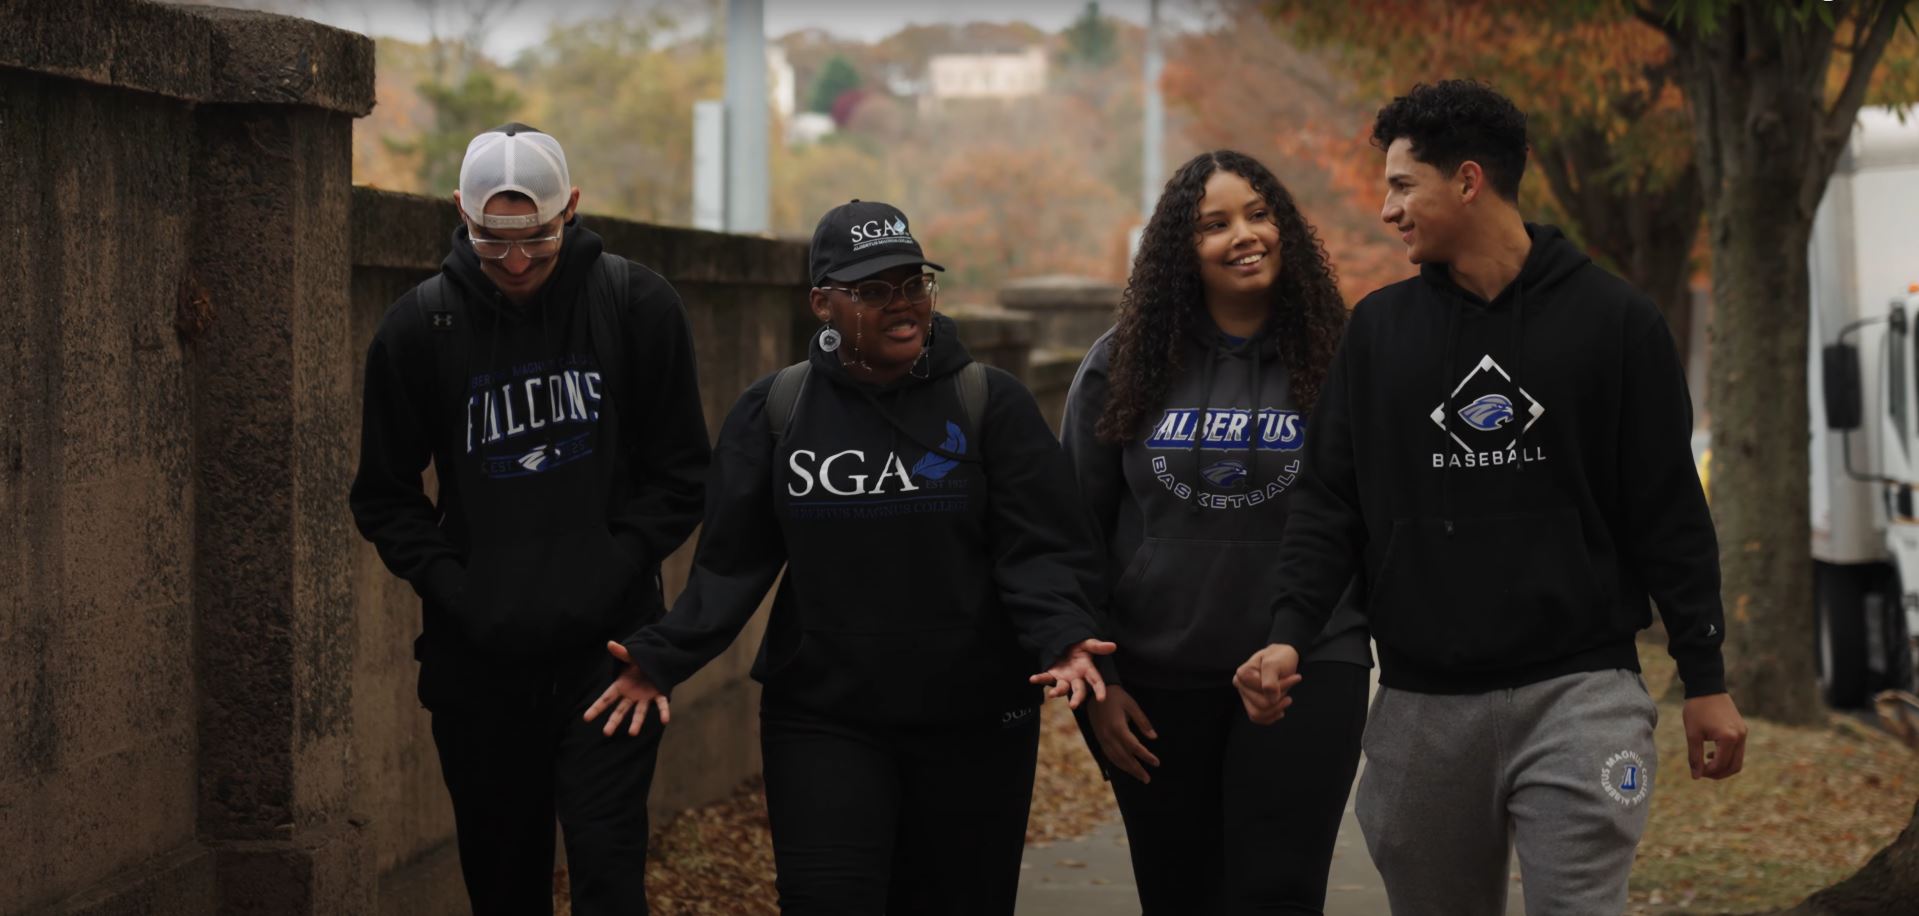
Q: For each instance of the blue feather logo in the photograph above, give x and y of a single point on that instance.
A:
(934, 466)
(1488, 413)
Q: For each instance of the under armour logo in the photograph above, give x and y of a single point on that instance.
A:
(442, 321)
(1711, 631)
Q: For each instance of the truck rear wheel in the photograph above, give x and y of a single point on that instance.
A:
(1841, 608)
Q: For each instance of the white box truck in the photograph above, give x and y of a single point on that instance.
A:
(1864, 262)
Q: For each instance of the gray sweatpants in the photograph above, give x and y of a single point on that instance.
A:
(1562, 768)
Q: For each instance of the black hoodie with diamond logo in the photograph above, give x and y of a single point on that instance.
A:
(1513, 478)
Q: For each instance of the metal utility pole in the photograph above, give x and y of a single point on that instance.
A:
(746, 106)
(1150, 165)
(709, 165)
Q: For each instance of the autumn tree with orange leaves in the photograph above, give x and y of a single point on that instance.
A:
(1605, 114)
(1242, 84)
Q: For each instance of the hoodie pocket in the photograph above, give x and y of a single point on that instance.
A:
(536, 596)
(1193, 605)
(917, 677)
(1496, 592)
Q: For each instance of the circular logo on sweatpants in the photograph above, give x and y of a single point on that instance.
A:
(1625, 778)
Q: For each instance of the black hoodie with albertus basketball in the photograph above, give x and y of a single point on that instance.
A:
(558, 496)
(930, 569)
(1514, 478)
(1192, 509)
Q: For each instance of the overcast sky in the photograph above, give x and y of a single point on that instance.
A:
(868, 20)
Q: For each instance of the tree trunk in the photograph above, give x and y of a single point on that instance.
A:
(1757, 395)
(1644, 232)
(1885, 886)
(1659, 261)
(1755, 114)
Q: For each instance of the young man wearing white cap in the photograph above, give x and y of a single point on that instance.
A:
(552, 386)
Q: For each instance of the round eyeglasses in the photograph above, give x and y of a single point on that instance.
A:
(916, 290)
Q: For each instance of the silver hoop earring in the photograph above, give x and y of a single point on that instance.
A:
(829, 339)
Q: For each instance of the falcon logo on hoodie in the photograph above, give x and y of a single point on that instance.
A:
(1488, 413)
(1489, 433)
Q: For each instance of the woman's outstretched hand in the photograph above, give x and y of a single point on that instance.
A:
(630, 689)
(1074, 673)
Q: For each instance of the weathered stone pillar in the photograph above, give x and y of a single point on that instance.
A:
(272, 419)
(1071, 311)
(174, 365)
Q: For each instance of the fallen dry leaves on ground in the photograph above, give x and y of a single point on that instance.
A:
(1812, 805)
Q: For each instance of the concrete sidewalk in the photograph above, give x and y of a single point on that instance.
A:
(1093, 876)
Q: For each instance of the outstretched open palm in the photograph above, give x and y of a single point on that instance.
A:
(1074, 673)
(629, 690)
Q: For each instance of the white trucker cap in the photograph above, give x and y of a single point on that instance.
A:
(514, 157)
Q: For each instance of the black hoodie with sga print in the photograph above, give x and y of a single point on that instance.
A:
(927, 575)
(558, 498)
(1514, 477)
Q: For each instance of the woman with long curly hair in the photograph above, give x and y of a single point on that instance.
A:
(1185, 426)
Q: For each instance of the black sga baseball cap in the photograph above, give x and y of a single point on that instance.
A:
(860, 238)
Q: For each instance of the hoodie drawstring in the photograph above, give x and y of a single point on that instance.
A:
(1253, 428)
(1523, 418)
(1199, 429)
(1450, 367)
(901, 429)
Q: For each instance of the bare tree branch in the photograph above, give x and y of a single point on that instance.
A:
(1653, 18)
(1859, 73)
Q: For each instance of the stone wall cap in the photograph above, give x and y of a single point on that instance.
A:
(195, 54)
(410, 232)
(1059, 291)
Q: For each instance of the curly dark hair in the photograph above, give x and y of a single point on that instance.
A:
(1164, 293)
(1452, 121)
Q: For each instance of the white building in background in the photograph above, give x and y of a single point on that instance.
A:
(951, 77)
(809, 127)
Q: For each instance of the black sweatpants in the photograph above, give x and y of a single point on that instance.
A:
(1240, 818)
(869, 821)
(514, 763)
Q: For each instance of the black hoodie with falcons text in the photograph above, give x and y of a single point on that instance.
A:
(558, 497)
(929, 569)
(1513, 477)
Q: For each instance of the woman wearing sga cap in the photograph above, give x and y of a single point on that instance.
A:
(1186, 425)
(935, 555)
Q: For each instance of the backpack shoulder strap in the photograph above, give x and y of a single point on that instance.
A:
(785, 394)
(970, 381)
(439, 310)
(434, 308)
(606, 301)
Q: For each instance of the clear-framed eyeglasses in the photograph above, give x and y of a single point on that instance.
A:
(915, 290)
(534, 249)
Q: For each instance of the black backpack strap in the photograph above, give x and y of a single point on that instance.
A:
(970, 382)
(434, 308)
(439, 310)
(785, 394)
(606, 301)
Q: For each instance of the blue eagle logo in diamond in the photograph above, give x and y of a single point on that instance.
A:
(1488, 412)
